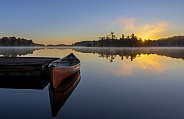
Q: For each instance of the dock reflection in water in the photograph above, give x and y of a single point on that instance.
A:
(24, 82)
(145, 83)
(59, 95)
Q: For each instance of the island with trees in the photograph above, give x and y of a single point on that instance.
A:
(13, 41)
(58, 45)
(107, 41)
(132, 41)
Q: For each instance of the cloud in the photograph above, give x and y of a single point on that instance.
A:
(143, 30)
(127, 23)
(152, 31)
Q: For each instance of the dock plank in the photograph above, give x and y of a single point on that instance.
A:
(25, 60)
(24, 66)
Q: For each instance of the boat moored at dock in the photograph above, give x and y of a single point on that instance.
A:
(63, 68)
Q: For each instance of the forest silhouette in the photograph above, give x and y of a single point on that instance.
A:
(13, 41)
(132, 41)
(107, 41)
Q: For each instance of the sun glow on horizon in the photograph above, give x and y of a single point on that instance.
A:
(150, 30)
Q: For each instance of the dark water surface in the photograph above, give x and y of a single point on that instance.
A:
(114, 83)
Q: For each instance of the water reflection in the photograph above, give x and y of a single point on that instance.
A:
(143, 64)
(132, 53)
(24, 82)
(59, 95)
(108, 53)
(17, 51)
(150, 87)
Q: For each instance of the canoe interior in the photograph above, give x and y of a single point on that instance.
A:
(69, 60)
(64, 64)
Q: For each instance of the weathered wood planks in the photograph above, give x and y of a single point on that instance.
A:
(24, 66)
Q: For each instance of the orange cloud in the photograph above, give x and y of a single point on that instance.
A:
(152, 31)
(145, 31)
(127, 23)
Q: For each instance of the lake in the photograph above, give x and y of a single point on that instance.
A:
(115, 83)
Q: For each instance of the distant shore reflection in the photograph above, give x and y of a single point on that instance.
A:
(108, 53)
(17, 51)
(133, 53)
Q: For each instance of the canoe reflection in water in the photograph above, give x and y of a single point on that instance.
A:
(59, 95)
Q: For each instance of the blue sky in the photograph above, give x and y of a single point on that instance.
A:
(68, 21)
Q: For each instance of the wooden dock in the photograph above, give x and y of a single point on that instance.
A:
(24, 66)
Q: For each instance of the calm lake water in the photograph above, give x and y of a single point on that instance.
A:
(115, 83)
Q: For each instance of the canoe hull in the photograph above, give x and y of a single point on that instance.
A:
(63, 68)
(59, 74)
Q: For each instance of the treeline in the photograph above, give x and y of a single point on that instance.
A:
(175, 41)
(132, 41)
(13, 41)
(58, 45)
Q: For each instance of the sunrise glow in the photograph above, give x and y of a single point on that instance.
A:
(54, 22)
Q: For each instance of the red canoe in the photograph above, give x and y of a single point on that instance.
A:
(63, 68)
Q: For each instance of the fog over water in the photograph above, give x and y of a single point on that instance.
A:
(126, 83)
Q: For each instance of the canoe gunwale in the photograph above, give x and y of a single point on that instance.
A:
(66, 66)
(61, 69)
(65, 60)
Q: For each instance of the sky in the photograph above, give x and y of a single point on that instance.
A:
(70, 21)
